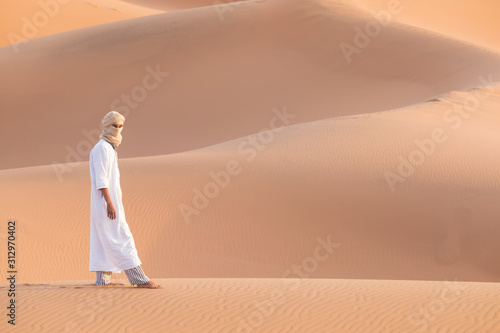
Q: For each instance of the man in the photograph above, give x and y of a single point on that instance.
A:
(112, 247)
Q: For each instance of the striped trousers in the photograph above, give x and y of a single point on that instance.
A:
(135, 276)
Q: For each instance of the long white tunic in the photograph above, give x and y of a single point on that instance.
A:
(112, 247)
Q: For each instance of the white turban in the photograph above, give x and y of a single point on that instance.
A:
(109, 132)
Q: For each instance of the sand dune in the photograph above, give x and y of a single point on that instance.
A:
(474, 21)
(188, 79)
(393, 199)
(170, 5)
(29, 19)
(263, 305)
(377, 186)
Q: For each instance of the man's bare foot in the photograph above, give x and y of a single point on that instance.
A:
(150, 285)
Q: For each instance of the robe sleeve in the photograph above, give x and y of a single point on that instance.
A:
(101, 167)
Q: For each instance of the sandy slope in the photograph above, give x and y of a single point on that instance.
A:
(474, 21)
(29, 19)
(169, 5)
(261, 305)
(324, 181)
(216, 79)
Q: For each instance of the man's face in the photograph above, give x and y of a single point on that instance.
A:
(118, 125)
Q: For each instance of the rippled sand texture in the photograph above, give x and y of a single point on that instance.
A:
(263, 305)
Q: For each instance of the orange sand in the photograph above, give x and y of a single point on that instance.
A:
(380, 188)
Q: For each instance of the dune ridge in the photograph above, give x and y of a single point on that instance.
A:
(460, 19)
(29, 19)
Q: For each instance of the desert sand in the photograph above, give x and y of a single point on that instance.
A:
(29, 19)
(474, 22)
(264, 305)
(281, 170)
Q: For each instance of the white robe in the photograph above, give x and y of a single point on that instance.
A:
(112, 247)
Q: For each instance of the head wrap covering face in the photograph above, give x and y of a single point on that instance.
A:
(109, 132)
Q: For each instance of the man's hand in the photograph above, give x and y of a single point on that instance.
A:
(111, 211)
(111, 208)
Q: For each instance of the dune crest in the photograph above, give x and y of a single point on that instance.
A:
(29, 19)
(472, 21)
